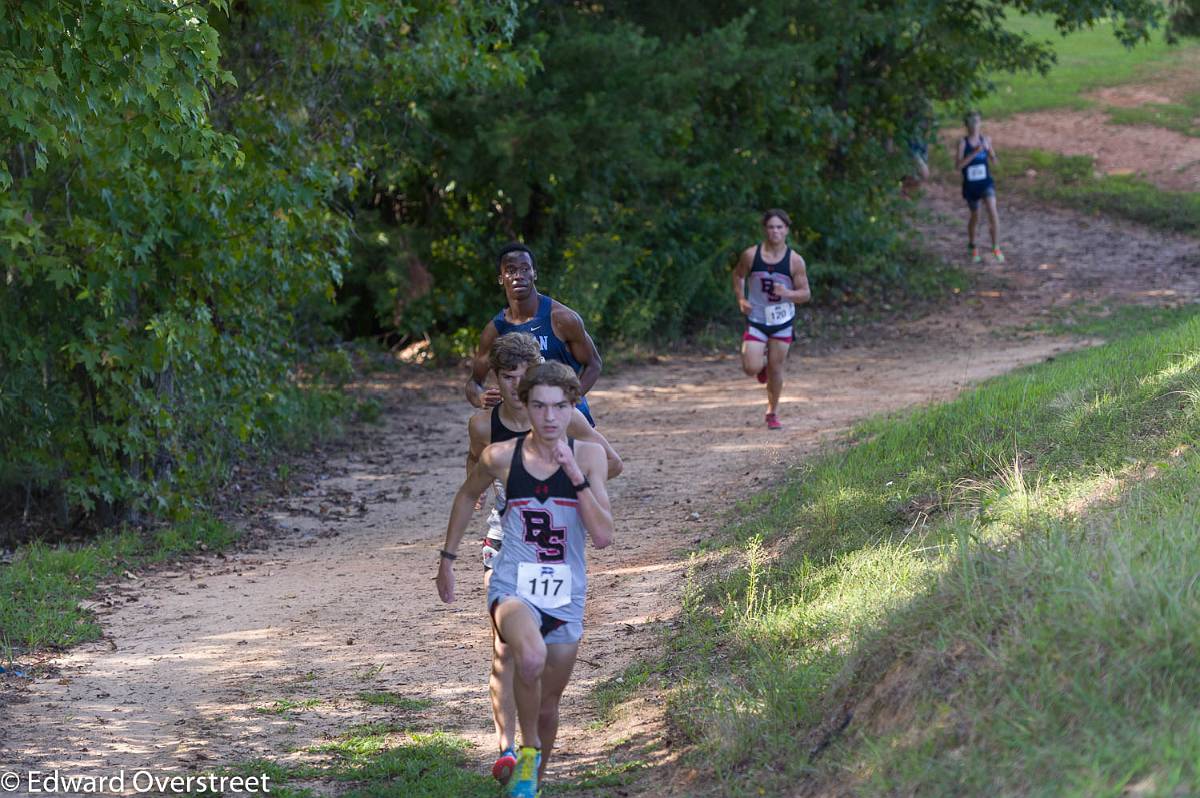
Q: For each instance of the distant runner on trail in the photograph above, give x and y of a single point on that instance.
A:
(976, 155)
(558, 329)
(511, 356)
(555, 496)
(777, 282)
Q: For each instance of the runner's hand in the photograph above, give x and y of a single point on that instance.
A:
(445, 580)
(490, 398)
(480, 500)
(744, 306)
(566, 458)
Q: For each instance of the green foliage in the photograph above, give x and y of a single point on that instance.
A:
(637, 160)
(380, 761)
(174, 217)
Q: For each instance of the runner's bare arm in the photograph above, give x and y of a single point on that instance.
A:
(487, 469)
(801, 293)
(594, 507)
(476, 394)
(991, 148)
(478, 433)
(581, 430)
(569, 327)
(740, 270)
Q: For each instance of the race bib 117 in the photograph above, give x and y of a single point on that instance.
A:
(544, 585)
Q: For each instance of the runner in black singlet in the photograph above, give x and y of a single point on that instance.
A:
(778, 281)
(976, 156)
(510, 357)
(556, 498)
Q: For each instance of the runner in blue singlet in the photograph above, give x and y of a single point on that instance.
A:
(976, 156)
(558, 329)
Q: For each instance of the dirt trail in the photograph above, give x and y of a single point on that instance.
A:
(344, 603)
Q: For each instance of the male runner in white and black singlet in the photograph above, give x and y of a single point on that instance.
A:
(558, 329)
(555, 497)
(778, 282)
(511, 356)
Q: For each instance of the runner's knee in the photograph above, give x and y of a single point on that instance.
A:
(531, 663)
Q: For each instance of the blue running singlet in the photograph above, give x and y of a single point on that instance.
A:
(553, 347)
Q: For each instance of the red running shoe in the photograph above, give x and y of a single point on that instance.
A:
(773, 421)
(762, 375)
(503, 769)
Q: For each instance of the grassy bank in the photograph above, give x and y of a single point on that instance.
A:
(1087, 60)
(997, 594)
(41, 589)
(1073, 181)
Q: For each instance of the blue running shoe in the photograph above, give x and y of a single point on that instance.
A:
(524, 782)
(503, 769)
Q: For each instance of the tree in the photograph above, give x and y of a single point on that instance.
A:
(171, 210)
(635, 162)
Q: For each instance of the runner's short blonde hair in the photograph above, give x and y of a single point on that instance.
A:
(554, 374)
(513, 350)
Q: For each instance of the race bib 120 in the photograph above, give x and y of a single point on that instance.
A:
(977, 172)
(780, 313)
(544, 585)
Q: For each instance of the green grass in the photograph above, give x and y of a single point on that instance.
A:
(386, 699)
(1182, 117)
(41, 590)
(1104, 321)
(606, 776)
(285, 705)
(1087, 60)
(1070, 180)
(381, 761)
(609, 695)
(1014, 572)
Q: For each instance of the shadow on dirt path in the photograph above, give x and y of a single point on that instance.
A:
(264, 653)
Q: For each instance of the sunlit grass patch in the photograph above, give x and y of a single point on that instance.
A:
(968, 599)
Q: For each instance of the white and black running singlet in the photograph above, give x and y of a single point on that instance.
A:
(543, 559)
(767, 307)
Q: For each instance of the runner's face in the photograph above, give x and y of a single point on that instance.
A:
(776, 230)
(974, 125)
(508, 381)
(517, 275)
(549, 412)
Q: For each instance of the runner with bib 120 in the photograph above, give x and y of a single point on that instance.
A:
(777, 281)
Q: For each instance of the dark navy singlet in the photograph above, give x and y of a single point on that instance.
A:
(500, 432)
(495, 530)
(553, 347)
(977, 176)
